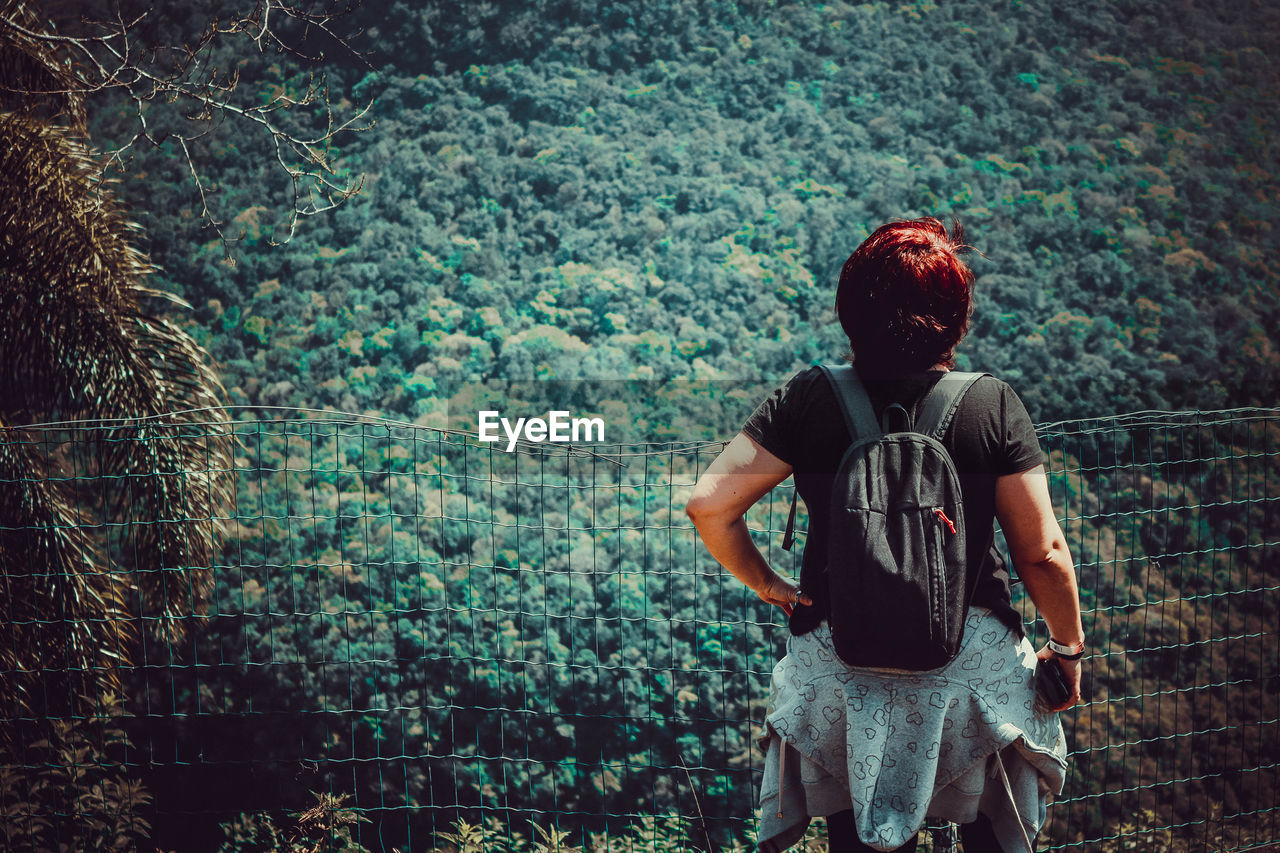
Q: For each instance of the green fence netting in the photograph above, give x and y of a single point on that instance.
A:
(445, 631)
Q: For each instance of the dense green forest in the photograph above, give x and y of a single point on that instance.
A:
(660, 192)
(564, 190)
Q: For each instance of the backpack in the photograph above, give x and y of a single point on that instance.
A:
(896, 559)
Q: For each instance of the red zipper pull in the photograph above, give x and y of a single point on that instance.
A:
(942, 515)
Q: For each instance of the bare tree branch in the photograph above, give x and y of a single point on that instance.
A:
(56, 66)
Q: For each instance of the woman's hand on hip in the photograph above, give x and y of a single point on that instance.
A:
(784, 592)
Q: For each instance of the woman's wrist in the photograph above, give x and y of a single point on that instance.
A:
(1066, 651)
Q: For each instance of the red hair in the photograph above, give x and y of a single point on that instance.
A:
(905, 297)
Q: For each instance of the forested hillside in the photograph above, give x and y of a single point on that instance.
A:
(666, 191)
(662, 190)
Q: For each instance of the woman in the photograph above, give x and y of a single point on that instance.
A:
(875, 751)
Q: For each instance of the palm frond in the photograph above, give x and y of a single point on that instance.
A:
(60, 225)
(34, 80)
(79, 342)
(67, 626)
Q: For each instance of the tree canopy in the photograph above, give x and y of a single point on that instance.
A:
(673, 188)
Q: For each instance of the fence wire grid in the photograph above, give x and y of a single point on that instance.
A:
(445, 631)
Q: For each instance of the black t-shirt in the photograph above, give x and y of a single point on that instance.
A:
(990, 436)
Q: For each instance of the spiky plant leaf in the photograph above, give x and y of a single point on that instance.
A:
(81, 337)
(30, 83)
(67, 627)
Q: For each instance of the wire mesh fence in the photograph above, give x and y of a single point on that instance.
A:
(449, 632)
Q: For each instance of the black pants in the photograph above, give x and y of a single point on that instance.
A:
(842, 836)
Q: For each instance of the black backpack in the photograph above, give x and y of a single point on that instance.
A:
(896, 564)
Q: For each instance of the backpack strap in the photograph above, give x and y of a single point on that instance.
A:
(789, 538)
(859, 417)
(940, 404)
(855, 405)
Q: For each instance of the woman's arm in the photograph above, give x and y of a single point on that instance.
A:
(742, 474)
(1039, 553)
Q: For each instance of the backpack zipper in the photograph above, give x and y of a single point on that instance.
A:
(943, 517)
(939, 571)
